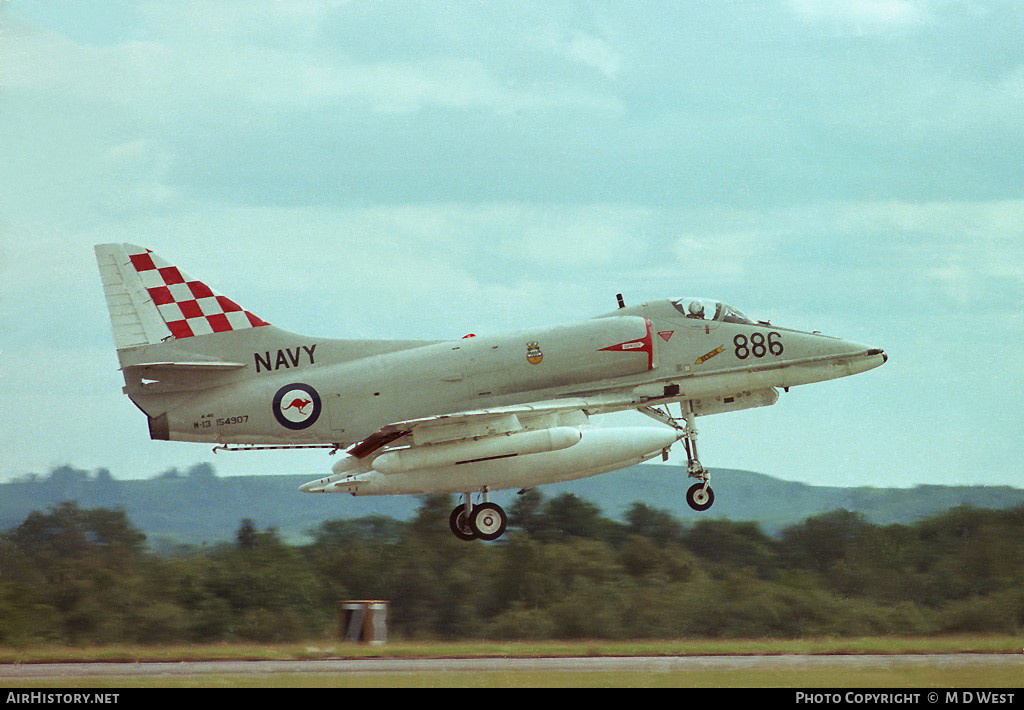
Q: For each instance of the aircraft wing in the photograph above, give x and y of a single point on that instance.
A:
(185, 367)
(479, 423)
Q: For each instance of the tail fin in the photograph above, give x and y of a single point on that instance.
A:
(160, 317)
(151, 301)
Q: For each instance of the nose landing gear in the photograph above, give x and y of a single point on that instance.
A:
(700, 497)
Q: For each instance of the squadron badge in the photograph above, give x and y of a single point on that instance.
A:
(533, 353)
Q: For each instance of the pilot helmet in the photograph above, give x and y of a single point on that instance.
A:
(697, 309)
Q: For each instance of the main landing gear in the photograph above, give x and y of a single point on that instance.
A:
(483, 521)
(700, 497)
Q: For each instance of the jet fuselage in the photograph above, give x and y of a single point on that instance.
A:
(318, 391)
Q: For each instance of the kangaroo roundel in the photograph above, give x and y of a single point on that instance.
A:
(296, 406)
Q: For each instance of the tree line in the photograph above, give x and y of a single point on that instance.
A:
(564, 570)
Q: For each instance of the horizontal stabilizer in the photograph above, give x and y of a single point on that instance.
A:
(168, 377)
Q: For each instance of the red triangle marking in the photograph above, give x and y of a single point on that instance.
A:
(665, 334)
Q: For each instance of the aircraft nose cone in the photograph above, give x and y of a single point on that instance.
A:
(879, 351)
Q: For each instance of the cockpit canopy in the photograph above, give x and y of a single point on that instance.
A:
(706, 309)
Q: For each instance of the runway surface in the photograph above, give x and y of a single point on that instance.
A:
(420, 665)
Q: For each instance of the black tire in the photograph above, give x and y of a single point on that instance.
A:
(700, 498)
(488, 521)
(457, 522)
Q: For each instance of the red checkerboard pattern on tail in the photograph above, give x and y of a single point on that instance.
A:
(188, 307)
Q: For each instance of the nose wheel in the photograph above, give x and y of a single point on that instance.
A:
(483, 521)
(700, 496)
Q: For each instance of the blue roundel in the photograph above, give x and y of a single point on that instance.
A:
(296, 406)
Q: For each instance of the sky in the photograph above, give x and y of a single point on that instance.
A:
(429, 169)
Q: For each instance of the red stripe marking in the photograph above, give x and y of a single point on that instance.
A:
(180, 329)
(142, 262)
(161, 295)
(171, 275)
(638, 345)
(254, 321)
(219, 323)
(199, 289)
(190, 309)
(228, 305)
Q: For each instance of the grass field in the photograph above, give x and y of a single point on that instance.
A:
(323, 649)
(827, 676)
(974, 677)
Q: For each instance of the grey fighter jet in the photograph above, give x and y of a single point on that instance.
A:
(466, 416)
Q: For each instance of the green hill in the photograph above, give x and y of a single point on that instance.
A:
(198, 507)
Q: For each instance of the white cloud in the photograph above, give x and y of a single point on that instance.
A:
(985, 220)
(862, 16)
(179, 75)
(585, 236)
(398, 87)
(595, 53)
(950, 111)
(721, 256)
